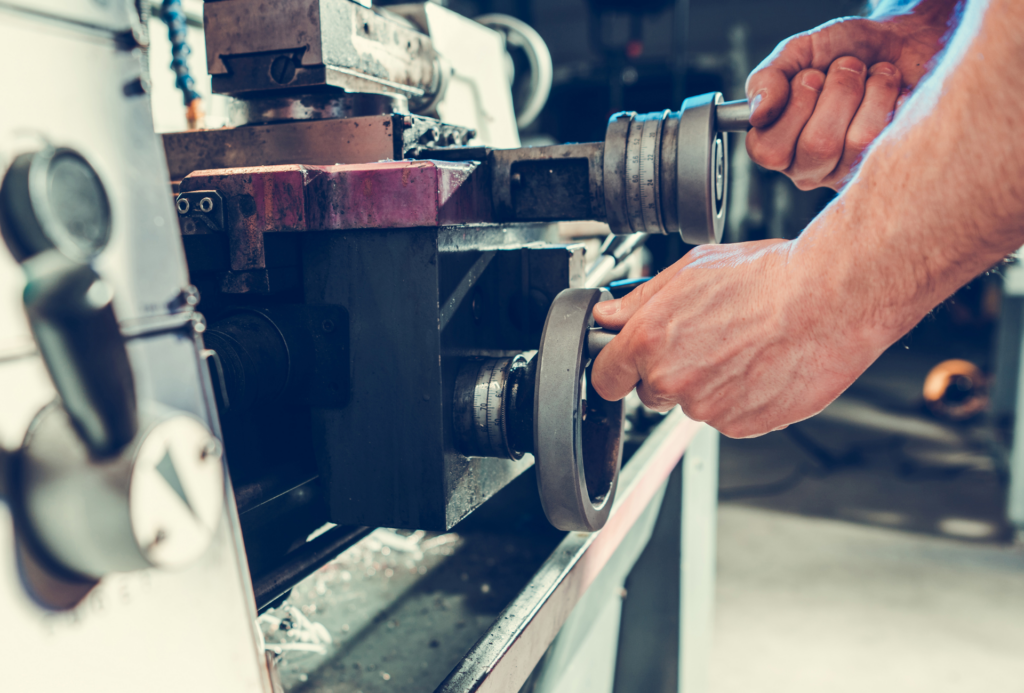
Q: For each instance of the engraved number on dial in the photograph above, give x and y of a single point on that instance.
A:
(649, 165)
(487, 401)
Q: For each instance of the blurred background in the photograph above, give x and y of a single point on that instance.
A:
(876, 546)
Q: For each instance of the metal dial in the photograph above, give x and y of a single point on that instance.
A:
(488, 400)
(650, 163)
(667, 172)
(156, 503)
(634, 155)
(482, 406)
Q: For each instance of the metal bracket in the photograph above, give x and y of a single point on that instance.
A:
(201, 211)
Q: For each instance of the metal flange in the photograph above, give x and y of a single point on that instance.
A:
(577, 434)
(702, 173)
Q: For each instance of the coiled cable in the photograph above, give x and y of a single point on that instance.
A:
(173, 15)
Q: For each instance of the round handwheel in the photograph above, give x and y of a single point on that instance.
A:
(577, 434)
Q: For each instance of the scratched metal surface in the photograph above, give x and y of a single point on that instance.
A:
(397, 612)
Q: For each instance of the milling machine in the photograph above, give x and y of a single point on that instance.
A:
(391, 329)
(399, 330)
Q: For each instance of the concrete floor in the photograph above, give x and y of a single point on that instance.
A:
(867, 579)
(809, 604)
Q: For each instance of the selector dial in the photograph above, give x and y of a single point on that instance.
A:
(157, 503)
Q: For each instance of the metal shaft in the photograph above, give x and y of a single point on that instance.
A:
(614, 252)
(597, 339)
(733, 116)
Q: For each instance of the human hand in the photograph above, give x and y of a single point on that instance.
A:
(733, 334)
(820, 99)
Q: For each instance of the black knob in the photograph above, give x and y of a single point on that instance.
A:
(54, 199)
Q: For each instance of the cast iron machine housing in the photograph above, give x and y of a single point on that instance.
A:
(398, 329)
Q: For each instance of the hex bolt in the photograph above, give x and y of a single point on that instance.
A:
(182, 205)
(206, 205)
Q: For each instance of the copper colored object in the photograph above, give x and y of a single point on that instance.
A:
(956, 390)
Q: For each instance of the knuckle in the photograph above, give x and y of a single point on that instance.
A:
(731, 431)
(820, 149)
(773, 158)
(599, 385)
(859, 140)
(650, 397)
(805, 183)
(656, 388)
(643, 339)
(699, 411)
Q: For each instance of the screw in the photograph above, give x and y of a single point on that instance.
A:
(327, 325)
(206, 205)
(190, 296)
(182, 205)
(282, 70)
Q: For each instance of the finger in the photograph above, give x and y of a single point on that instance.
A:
(768, 87)
(880, 94)
(821, 143)
(615, 372)
(773, 147)
(614, 314)
(653, 400)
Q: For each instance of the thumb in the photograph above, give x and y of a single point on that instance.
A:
(768, 85)
(614, 314)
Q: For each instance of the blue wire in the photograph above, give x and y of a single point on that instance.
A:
(174, 17)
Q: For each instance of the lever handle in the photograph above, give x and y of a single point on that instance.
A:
(71, 314)
(732, 116)
(597, 339)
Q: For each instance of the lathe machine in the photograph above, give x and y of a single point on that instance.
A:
(226, 359)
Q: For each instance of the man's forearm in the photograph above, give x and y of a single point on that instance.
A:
(940, 197)
(929, 8)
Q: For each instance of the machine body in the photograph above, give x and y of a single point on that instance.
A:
(377, 280)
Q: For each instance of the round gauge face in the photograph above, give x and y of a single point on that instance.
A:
(78, 207)
(53, 198)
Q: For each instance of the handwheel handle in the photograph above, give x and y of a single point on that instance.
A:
(577, 433)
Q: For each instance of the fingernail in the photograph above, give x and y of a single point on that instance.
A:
(756, 101)
(813, 80)
(607, 308)
(885, 70)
